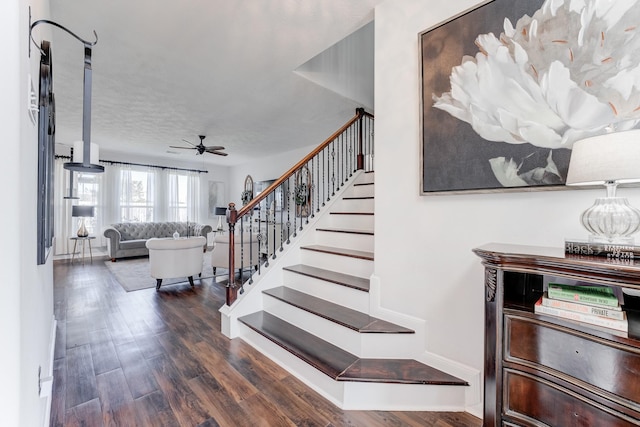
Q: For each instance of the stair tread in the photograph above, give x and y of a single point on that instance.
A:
(340, 251)
(349, 318)
(405, 371)
(340, 364)
(346, 230)
(325, 357)
(350, 213)
(347, 280)
(358, 198)
(362, 183)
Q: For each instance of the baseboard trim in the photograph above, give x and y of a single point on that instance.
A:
(47, 390)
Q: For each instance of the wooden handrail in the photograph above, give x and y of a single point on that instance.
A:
(263, 194)
(234, 215)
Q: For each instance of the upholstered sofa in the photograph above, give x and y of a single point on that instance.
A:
(127, 239)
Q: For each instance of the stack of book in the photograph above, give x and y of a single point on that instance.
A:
(595, 305)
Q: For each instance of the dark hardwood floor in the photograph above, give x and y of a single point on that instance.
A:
(148, 358)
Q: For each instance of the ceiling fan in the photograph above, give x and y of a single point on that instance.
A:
(201, 148)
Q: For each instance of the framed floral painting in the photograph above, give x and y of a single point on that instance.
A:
(510, 85)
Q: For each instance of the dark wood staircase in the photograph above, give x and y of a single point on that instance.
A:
(290, 306)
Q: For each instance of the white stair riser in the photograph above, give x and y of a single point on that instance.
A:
(359, 242)
(332, 292)
(403, 397)
(365, 177)
(360, 191)
(354, 205)
(348, 222)
(364, 345)
(341, 264)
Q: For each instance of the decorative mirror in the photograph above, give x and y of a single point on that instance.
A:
(247, 194)
(302, 192)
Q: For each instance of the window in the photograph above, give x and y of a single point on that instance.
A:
(137, 196)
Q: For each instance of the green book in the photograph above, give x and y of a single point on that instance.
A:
(593, 295)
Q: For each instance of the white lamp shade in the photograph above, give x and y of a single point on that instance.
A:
(78, 153)
(612, 157)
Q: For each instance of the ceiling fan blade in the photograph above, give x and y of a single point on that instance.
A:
(214, 148)
(190, 143)
(184, 148)
(219, 153)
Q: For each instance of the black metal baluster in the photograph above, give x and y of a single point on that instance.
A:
(251, 259)
(232, 274)
(288, 210)
(317, 189)
(354, 160)
(281, 193)
(323, 174)
(295, 208)
(275, 242)
(371, 147)
(341, 164)
(338, 180)
(311, 190)
(307, 204)
(333, 168)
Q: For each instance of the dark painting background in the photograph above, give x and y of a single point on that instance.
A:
(455, 158)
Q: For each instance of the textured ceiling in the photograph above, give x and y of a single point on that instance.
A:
(164, 71)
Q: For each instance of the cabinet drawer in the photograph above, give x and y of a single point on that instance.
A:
(529, 400)
(606, 365)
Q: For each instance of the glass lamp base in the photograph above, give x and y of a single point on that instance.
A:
(611, 220)
(82, 231)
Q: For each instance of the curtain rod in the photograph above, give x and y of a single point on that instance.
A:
(113, 162)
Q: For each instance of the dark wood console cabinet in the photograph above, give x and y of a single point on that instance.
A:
(541, 370)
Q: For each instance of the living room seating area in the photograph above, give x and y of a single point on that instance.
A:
(128, 239)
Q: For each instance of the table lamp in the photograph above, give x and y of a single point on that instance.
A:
(82, 212)
(220, 211)
(610, 159)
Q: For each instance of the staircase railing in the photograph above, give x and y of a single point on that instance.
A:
(273, 217)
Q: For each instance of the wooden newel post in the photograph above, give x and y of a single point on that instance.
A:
(360, 157)
(232, 217)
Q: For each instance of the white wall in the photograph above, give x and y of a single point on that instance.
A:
(26, 306)
(424, 243)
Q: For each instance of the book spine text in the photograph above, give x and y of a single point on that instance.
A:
(583, 308)
(608, 250)
(620, 325)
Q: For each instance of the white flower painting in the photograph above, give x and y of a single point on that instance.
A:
(569, 70)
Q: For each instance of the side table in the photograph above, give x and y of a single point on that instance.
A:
(83, 241)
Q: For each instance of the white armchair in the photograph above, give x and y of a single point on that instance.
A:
(169, 258)
(248, 252)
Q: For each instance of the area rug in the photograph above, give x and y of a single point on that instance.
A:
(133, 274)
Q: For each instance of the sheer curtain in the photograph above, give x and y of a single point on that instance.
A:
(183, 196)
(63, 222)
(193, 196)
